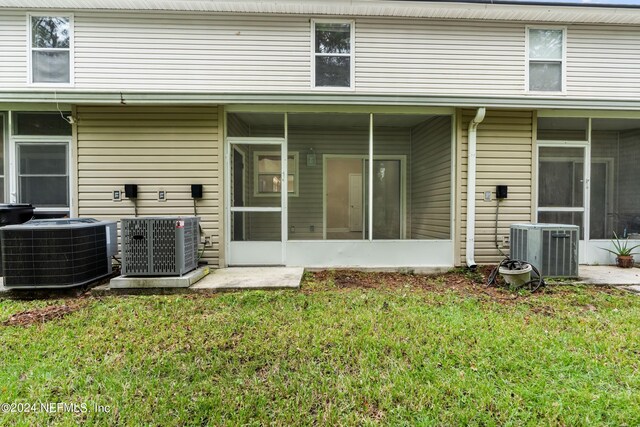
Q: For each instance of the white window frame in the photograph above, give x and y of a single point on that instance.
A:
(562, 61)
(351, 54)
(50, 140)
(12, 171)
(70, 49)
(294, 154)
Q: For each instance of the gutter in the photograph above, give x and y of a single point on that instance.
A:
(345, 100)
(471, 185)
(632, 4)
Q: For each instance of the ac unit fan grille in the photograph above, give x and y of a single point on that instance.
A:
(163, 246)
(135, 235)
(54, 258)
(553, 248)
(557, 247)
(191, 234)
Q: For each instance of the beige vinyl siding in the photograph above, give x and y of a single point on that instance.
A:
(439, 57)
(201, 52)
(13, 49)
(603, 61)
(431, 179)
(158, 148)
(161, 51)
(504, 156)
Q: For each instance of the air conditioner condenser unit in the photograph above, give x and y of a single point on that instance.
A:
(57, 253)
(552, 248)
(159, 246)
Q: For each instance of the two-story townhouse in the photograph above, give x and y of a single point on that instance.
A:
(397, 120)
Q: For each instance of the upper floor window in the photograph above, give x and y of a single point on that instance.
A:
(333, 54)
(546, 60)
(50, 49)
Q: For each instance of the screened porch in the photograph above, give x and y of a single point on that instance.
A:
(333, 191)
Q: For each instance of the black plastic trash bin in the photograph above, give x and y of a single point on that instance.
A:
(15, 214)
(12, 215)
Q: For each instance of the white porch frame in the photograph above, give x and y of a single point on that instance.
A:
(4, 138)
(248, 252)
(591, 250)
(585, 188)
(335, 253)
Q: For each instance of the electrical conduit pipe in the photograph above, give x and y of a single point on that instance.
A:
(471, 185)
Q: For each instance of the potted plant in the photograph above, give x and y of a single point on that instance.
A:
(622, 251)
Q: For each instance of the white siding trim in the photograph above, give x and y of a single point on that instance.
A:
(326, 108)
(427, 9)
(595, 114)
(244, 140)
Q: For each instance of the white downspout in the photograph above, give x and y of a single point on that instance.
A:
(471, 185)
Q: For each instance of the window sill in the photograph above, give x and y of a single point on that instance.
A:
(333, 88)
(545, 93)
(51, 85)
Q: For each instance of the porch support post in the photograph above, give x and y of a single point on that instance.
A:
(284, 190)
(370, 178)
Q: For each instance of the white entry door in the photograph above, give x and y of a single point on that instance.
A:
(256, 194)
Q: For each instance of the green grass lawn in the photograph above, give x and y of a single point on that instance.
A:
(438, 352)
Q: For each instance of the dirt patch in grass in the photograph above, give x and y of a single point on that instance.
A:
(355, 279)
(462, 281)
(45, 314)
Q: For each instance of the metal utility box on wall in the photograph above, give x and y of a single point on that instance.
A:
(159, 246)
(56, 253)
(552, 248)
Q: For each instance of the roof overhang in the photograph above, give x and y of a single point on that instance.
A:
(16, 99)
(389, 8)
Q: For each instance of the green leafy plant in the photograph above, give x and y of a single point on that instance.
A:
(621, 247)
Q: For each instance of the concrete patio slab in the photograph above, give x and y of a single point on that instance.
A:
(609, 275)
(251, 278)
(128, 282)
(217, 280)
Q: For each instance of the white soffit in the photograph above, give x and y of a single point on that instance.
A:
(402, 9)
